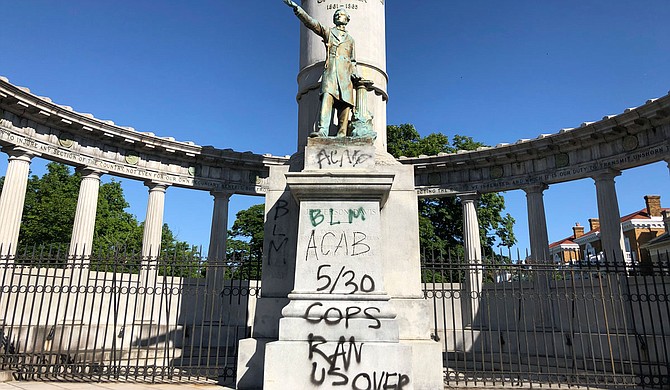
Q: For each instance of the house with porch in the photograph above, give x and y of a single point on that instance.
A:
(638, 228)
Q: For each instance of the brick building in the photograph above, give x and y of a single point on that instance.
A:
(639, 228)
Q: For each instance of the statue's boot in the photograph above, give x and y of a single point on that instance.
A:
(319, 133)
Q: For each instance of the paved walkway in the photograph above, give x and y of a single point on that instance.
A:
(15, 385)
(18, 385)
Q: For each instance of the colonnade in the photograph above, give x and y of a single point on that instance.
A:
(13, 196)
(611, 234)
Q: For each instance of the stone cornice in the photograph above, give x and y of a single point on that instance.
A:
(656, 223)
(636, 137)
(59, 133)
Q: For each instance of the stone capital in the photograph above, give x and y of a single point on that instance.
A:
(16, 153)
(221, 194)
(88, 172)
(535, 188)
(156, 186)
(345, 186)
(606, 175)
(469, 196)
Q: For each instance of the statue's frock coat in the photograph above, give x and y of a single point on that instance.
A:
(340, 59)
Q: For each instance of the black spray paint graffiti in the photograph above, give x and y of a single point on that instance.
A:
(366, 283)
(333, 315)
(330, 158)
(346, 244)
(337, 366)
(278, 240)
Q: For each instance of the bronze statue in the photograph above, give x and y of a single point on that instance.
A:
(340, 72)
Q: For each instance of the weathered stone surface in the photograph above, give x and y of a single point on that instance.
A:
(343, 153)
(346, 363)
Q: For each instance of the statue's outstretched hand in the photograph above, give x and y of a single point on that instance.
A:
(291, 4)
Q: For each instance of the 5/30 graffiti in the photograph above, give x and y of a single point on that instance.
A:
(365, 284)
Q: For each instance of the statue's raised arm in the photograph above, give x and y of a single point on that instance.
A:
(307, 20)
(291, 4)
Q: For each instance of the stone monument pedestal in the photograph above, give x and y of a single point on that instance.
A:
(347, 279)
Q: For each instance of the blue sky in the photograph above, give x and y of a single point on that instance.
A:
(223, 73)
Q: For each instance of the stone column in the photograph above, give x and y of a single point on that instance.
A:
(611, 235)
(219, 233)
(81, 243)
(537, 223)
(216, 258)
(12, 199)
(151, 246)
(539, 250)
(153, 223)
(473, 258)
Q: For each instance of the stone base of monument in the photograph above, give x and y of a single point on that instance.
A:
(251, 363)
(319, 364)
(341, 272)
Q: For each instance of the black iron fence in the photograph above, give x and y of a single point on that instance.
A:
(501, 322)
(504, 322)
(123, 317)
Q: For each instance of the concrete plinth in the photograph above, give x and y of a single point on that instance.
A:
(353, 314)
(346, 363)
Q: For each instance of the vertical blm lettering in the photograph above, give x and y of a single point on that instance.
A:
(278, 239)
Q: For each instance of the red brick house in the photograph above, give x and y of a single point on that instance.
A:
(639, 228)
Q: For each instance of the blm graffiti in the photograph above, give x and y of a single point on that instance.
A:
(339, 252)
(340, 249)
(278, 239)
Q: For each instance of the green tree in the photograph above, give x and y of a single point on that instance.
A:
(49, 211)
(245, 242)
(441, 219)
(249, 227)
(116, 230)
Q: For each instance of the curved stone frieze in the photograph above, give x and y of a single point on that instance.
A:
(58, 133)
(638, 136)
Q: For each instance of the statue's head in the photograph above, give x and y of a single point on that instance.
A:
(341, 17)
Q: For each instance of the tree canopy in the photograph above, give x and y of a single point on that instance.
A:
(441, 219)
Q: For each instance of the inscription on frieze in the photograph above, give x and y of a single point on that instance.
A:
(427, 186)
(128, 169)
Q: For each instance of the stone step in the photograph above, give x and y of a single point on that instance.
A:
(6, 376)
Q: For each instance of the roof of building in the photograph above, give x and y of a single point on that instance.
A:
(637, 215)
(565, 241)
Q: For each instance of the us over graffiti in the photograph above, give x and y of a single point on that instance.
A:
(334, 367)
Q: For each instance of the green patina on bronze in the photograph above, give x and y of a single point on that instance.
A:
(340, 72)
